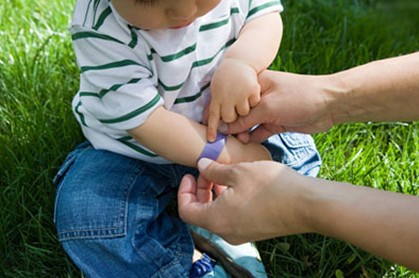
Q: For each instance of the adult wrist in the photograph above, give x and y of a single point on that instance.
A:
(321, 200)
(335, 94)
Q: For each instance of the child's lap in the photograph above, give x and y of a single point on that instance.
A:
(110, 205)
(95, 187)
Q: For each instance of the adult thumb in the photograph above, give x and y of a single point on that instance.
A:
(265, 79)
(215, 172)
(244, 123)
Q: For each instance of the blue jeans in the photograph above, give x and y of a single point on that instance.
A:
(110, 210)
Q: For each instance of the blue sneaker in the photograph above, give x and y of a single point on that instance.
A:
(202, 266)
(238, 260)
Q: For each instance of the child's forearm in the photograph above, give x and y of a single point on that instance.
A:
(258, 42)
(181, 140)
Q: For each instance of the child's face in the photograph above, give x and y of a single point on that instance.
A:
(161, 14)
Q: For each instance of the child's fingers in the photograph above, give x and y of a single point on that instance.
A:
(205, 115)
(228, 113)
(254, 100)
(243, 108)
(213, 120)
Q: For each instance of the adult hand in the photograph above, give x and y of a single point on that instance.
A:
(289, 102)
(266, 199)
(384, 90)
(246, 210)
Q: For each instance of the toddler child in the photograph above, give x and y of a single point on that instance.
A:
(146, 71)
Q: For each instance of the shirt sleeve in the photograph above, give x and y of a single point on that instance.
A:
(117, 85)
(257, 8)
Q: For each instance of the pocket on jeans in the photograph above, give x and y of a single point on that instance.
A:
(295, 148)
(92, 196)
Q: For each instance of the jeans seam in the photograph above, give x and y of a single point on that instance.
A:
(60, 185)
(117, 230)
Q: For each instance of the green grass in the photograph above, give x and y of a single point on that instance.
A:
(38, 77)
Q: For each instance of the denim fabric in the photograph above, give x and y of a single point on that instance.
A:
(110, 210)
(111, 220)
(296, 150)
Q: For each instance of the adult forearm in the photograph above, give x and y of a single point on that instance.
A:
(383, 223)
(385, 90)
(258, 42)
(181, 140)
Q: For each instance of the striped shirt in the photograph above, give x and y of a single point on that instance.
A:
(126, 72)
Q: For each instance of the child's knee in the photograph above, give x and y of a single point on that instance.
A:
(296, 150)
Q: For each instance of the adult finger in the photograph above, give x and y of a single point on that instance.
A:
(243, 137)
(187, 190)
(261, 133)
(265, 80)
(215, 172)
(219, 189)
(255, 116)
(190, 209)
(204, 190)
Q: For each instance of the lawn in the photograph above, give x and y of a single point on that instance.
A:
(38, 77)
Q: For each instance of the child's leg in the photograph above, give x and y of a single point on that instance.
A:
(296, 150)
(110, 218)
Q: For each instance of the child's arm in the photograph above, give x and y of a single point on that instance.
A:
(234, 87)
(181, 140)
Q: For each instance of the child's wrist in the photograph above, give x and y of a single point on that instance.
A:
(240, 62)
(236, 151)
(212, 150)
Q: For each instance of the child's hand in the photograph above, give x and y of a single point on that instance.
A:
(234, 90)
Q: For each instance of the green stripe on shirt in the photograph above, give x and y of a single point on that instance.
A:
(180, 54)
(118, 64)
(195, 64)
(81, 116)
(93, 35)
(261, 7)
(192, 98)
(103, 92)
(102, 18)
(135, 147)
(214, 25)
(170, 88)
(134, 113)
(134, 37)
(203, 62)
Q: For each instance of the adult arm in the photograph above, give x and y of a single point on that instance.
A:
(278, 201)
(384, 90)
(181, 140)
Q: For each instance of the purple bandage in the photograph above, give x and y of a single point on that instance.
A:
(212, 150)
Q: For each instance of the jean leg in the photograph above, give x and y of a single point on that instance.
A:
(296, 150)
(110, 218)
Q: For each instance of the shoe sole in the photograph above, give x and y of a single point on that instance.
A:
(204, 245)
